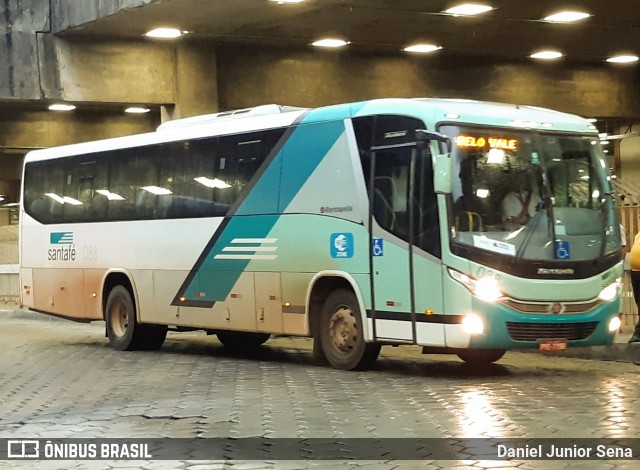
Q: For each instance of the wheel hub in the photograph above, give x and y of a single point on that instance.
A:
(119, 318)
(342, 330)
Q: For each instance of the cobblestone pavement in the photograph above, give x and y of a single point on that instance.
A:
(61, 379)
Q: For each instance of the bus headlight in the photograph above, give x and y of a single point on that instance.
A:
(610, 292)
(614, 324)
(472, 324)
(488, 289)
(485, 288)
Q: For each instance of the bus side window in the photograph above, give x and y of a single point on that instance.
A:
(197, 178)
(383, 197)
(134, 177)
(238, 165)
(43, 198)
(82, 202)
(388, 179)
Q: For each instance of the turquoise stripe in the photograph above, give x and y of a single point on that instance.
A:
(216, 277)
(296, 161)
(304, 151)
(338, 112)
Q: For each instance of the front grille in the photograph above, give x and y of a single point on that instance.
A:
(545, 308)
(535, 331)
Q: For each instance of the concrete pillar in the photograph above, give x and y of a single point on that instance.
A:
(196, 79)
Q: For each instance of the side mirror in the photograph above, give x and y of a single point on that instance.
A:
(443, 169)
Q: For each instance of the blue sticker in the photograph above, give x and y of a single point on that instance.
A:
(377, 247)
(562, 250)
(341, 245)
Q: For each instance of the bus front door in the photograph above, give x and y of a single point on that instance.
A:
(404, 229)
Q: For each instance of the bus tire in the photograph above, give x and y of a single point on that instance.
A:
(481, 356)
(242, 339)
(342, 335)
(123, 332)
(153, 336)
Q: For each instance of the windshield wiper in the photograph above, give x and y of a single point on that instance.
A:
(547, 204)
(531, 227)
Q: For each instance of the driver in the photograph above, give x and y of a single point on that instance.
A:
(520, 204)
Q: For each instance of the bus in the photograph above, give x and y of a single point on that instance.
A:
(359, 225)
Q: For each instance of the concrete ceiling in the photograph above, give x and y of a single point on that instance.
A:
(513, 30)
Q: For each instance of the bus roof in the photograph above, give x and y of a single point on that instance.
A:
(432, 110)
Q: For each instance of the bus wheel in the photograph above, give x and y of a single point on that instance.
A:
(122, 330)
(341, 333)
(481, 356)
(154, 336)
(242, 339)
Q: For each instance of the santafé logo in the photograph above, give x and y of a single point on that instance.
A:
(63, 248)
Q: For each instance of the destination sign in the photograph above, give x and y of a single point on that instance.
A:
(491, 142)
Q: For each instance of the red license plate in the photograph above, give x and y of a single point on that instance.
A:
(553, 345)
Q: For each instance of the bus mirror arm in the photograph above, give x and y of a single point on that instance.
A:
(423, 136)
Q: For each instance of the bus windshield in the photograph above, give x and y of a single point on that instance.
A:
(524, 195)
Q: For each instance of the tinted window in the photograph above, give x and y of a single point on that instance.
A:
(197, 178)
(408, 214)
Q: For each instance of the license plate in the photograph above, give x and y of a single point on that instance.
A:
(553, 345)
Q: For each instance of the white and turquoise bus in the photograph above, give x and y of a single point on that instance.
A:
(376, 223)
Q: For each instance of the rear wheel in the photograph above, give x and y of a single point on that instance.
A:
(481, 356)
(124, 333)
(342, 335)
(120, 316)
(242, 339)
(154, 336)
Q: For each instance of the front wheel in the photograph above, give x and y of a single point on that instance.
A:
(342, 335)
(480, 357)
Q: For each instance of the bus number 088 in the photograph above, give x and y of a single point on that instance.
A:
(90, 252)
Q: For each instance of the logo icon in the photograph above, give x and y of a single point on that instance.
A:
(556, 308)
(61, 238)
(341, 245)
(23, 449)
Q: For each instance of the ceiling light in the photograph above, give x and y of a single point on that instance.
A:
(109, 195)
(136, 110)
(280, 2)
(468, 9)
(567, 17)
(61, 107)
(546, 55)
(64, 200)
(623, 59)
(165, 33)
(422, 48)
(212, 183)
(329, 43)
(592, 120)
(157, 190)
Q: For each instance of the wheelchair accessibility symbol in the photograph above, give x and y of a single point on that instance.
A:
(377, 247)
(562, 250)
